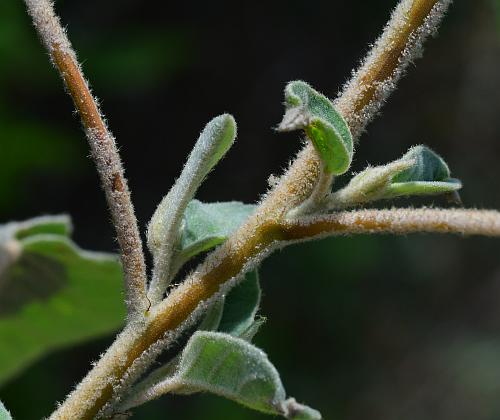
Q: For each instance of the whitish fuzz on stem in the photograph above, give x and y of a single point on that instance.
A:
(103, 148)
(395, 221)
(362, 97)
(399, 45)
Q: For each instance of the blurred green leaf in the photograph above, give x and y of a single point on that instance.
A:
(52, 294)
(4, 414)
(310, 110)
(231, 367)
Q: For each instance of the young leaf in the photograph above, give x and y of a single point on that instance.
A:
(206, 225)
(214, 141)
(313, 112)
(4, 414)
(52, 293)
(428, 175)
(241, 305)
(419, 172)
(163, 230)
(230, 367)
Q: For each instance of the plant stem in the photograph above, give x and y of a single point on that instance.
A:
(395, 221)
(399, 45)
(257, 237)
(104, 151)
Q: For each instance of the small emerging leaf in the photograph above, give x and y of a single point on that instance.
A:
(313, 112)
(206, 225)
(4, 414)
(428, 175)
(231, 367)
(163, 229)
(214, 141)
(419, 172)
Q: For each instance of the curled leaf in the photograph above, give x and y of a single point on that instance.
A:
(313, 112)
(419, 172)
(163, 229)
(428, 175)
(230, 367)
(214, 141)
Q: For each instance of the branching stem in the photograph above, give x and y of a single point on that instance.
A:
(104, 151)
(409, 25)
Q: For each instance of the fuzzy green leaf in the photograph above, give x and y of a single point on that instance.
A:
(231, 367)
(241, 305)
(313, 112)
(235, 313)
(4, 414)
(213, 316)
(428, 175)
(214, 141)
(206, 225)
(419, 172)
(52, 294)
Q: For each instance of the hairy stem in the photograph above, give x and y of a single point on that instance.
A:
(395, 221)
(399, 45)
(412, 21)
(104, 151)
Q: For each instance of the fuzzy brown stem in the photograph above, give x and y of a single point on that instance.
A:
(103, 148)
(395, 221)
(267, 227)
(399, 45)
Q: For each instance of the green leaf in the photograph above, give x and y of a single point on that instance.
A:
(231, 367)
(214, 141)
(213, 316)
(241, 305)
(52, 294)
(313, 112)
(428, 175)
(235, 313)
(4, 414)
(206, 225)
(419, 172)
(52, 225)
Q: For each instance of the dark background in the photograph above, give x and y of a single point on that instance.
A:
(360, 328)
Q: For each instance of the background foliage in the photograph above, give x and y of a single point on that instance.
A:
(365, 327)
